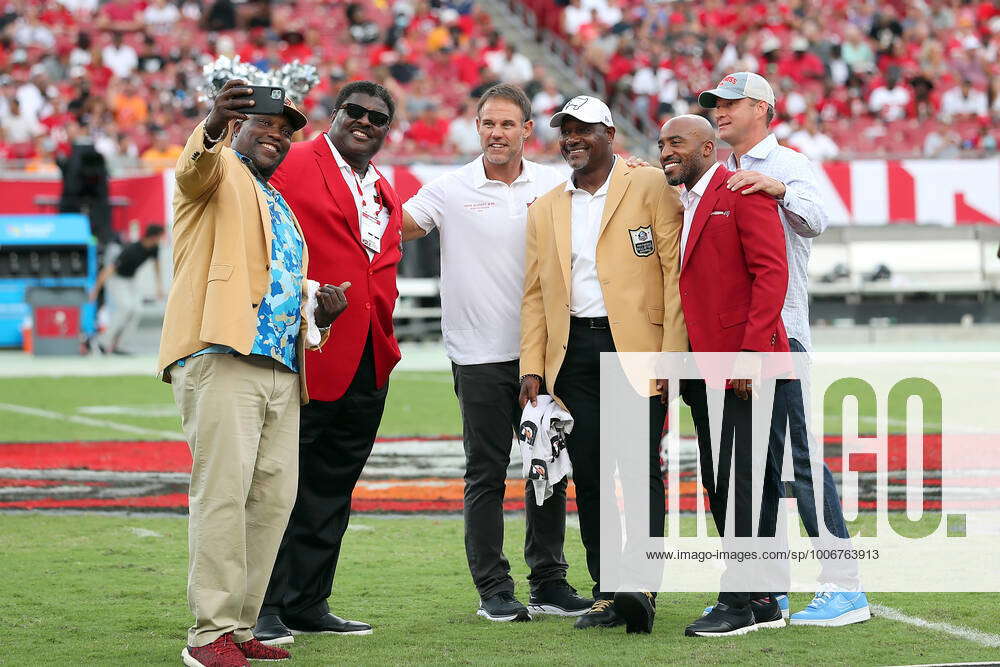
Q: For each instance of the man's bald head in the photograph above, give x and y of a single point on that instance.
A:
(687, 149)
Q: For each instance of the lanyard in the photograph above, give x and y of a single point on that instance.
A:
(361, 194)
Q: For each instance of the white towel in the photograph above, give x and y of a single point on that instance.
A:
(542, 437)
(313, 335)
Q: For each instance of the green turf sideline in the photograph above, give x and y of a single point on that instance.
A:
(110, 591)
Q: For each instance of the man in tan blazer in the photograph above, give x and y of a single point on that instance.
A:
(602, 268)
(232, 347)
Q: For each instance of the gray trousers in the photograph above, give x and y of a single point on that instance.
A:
(487, 397)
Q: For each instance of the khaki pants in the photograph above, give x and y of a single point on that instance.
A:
(241, 419)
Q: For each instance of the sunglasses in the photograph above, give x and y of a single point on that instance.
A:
(376, 118)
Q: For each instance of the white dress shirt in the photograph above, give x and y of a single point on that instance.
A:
(365, 194)
(482, 225)
(585, 296)
(802, 214)
(690, 199)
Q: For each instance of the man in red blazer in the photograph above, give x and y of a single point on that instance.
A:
(351, 218)
(734, 274)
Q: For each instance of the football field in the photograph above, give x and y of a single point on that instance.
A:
(99, 577)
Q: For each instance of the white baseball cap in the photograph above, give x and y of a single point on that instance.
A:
(736, 86)
(585, 109)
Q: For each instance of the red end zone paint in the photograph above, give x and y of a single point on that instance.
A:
(105, 459)
(116, 456)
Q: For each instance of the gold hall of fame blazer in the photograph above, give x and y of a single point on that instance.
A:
(637, 265)
(222, 257)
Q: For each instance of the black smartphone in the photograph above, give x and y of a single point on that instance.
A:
(267, 100)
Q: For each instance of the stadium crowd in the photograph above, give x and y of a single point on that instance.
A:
(125, 72)
(854, 77)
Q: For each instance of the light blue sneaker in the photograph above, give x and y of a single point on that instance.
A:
(782, 603)
(833, 609)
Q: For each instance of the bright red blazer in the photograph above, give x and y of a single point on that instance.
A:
(734, 273)
(312, 185)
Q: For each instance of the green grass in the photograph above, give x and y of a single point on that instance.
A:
(101, 590)
(420, 403)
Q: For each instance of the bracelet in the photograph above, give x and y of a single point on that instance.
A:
(210, 140)
(530, 375)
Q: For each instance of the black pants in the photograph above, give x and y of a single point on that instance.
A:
(735, 452)
(487, 397)
(578, 385)
(335, 440)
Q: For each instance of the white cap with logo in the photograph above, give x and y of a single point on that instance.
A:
(585, 109)
(736, 86)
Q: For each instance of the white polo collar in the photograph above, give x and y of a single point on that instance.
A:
(527, 174)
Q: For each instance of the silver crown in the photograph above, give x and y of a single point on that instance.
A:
(297, 79)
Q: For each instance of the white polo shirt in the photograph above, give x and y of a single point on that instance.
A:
(373, 217)
(585, 296)
(482, 224)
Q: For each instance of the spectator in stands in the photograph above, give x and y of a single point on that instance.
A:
(119, 57)
(18, 127)
(856, 52)
(129, 106)
(163, 153)
(487, 79)
(574, 17)
(120, 16)
(123, 297)
(544, 104)
(428, 132)
(890, 101)
(811, 141)
(963, 101)
(511, 67)
(150, 60)
(463, 136)
(362, 30)
(160, 16)
(221, 16)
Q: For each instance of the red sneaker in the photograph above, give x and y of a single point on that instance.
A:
(253, 649)
(220, 653)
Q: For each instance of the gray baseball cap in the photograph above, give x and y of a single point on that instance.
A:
(736, 86)
(585, 109)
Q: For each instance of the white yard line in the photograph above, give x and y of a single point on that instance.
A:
(969, 634)
(89, 421)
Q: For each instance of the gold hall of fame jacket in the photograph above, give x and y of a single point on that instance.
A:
(637, 265)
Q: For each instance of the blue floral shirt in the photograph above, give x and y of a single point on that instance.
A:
(280, 313)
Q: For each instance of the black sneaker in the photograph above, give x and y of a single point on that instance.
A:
(503, 607)
(602, 614)
(767, 613)
(558, 598)
(723, 621)
(638, 610)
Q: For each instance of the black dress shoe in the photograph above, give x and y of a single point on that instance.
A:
(638, 611)
(328, 624)
(601, 615)
(723, 621)
(270, 630)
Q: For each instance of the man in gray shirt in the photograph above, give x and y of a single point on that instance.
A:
(744, 109)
